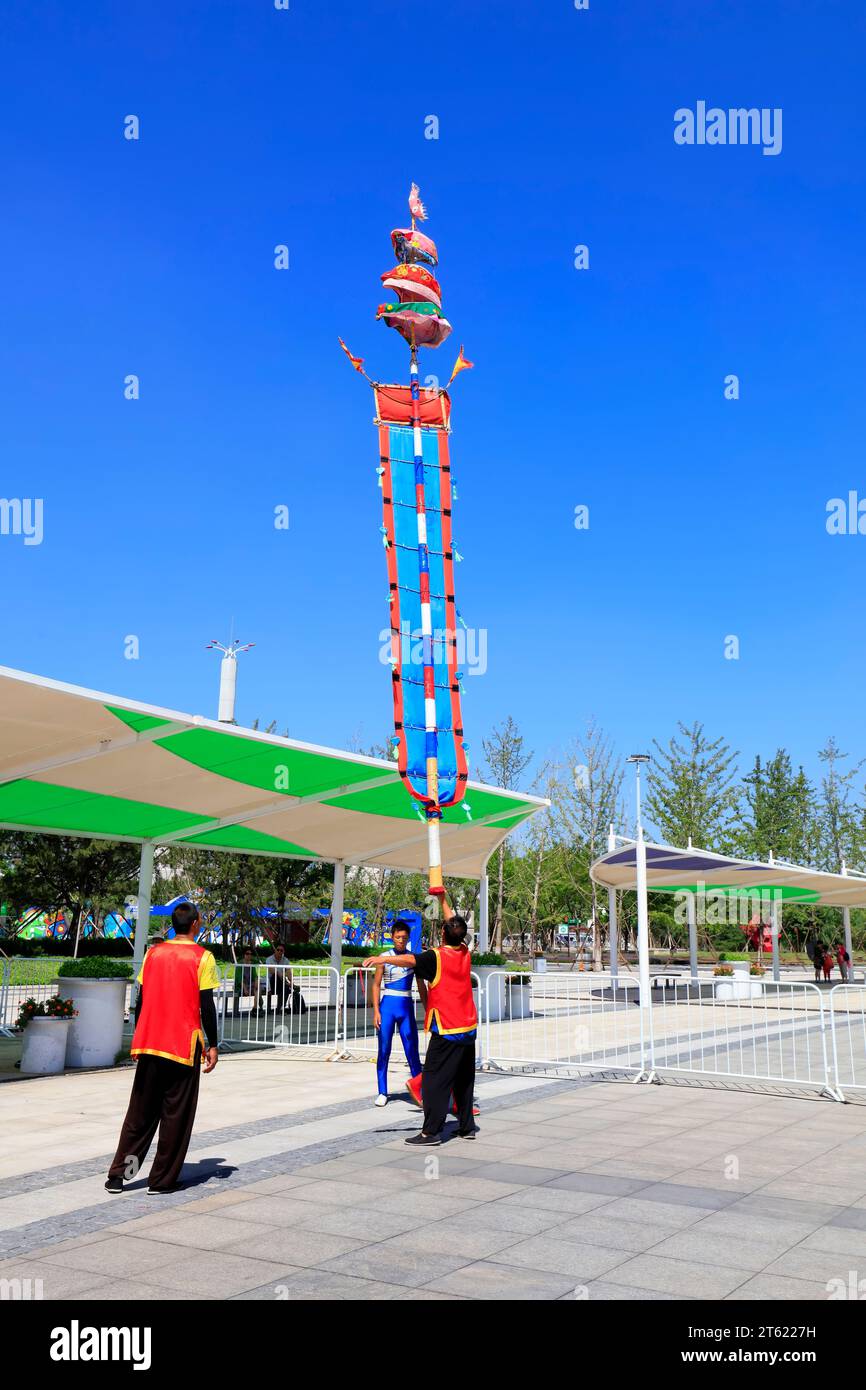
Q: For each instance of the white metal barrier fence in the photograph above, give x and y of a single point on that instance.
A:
(289, 1006)
(359, 1036)
(848, 1033)
(561, 1023)
(22, 979)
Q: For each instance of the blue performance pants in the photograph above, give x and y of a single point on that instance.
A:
(399, 1014)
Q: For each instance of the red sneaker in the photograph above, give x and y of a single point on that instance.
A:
(413, 1086)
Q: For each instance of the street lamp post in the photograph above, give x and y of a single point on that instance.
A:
(642, 904)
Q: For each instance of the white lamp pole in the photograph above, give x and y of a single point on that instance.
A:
(642, 900)
(228, 677)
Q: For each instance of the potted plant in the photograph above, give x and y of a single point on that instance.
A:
(488, 967)
(724, 981)
(45, 1025)
(97, 988)
(756, 971)
(518, 994)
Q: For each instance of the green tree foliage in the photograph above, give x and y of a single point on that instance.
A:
(692, 793)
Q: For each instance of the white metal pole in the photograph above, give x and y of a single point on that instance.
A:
(691, 907)
(145, 890)
(846, 926)
(228, 688)
(612, 933)
(337, 899)
(777, 928)
(484, 912)
(642, 928)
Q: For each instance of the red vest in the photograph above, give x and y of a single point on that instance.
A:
(449, 996)
(170, 1021)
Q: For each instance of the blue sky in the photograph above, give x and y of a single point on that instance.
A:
(601, 387)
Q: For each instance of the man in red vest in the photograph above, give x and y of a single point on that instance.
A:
(452, 1022)
(174, 1014)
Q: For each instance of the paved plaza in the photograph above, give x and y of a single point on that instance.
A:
(298, 1188)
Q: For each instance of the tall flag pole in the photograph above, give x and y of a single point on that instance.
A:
(415, 477)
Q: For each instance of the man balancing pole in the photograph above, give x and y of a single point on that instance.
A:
(452, 1022)
(174, 1014)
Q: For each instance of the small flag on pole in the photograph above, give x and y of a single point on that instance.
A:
(357, 362)
(461, 365)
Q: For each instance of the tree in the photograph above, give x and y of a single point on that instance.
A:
(777, 815)
(507, 760)
(587, 801)
(691, 792)
(66, 873)
(839, 819)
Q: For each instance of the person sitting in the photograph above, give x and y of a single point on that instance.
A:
(279, 980)
(247, 984)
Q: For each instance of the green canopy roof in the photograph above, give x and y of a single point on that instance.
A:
(75, 761)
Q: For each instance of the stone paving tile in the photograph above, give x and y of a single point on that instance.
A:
(206, 1231)
(612, 1186)
(517, 1173)
(318, 1286)
(362, 1223)
(820, 1266)
(280, 1182)
(451, 1237)
(274, 1211)
(57, 1281)
(673, 1193)
(121, 1256)
(839, 1239)
(788, 1208)
(217, 1201)
(773, 1288)
(679, 1276)
(716, 1248)
(545, 1252)
(427, 1203)
(236, 1273)
(853, 1218)
(124, 1291)
(500, 1216)
(596, 1228)
(555, 1200)
(600, 1290)
(297, 1246)
(449, 1185)
(411, 1268)
(486, 1281)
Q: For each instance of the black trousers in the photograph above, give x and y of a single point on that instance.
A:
(164, 1096)
(448, 1066)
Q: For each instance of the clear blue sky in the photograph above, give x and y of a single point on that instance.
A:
(605, 387)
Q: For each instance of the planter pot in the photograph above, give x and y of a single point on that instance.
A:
(96, 1035)
(45, 1041)
(724, 988)
(732, 988)
(492, 988)
(518, 999)
(756, 988)
(359, 990)
(539, 965)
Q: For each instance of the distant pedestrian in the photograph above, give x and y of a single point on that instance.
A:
(843, 960)
(828, 963)
(175, 1029)
(817, 954)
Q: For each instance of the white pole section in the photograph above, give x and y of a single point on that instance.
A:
(484, 912)
(777, 928)
(337, 925)
(642, 928)
(142, 920)
(612, 932)
(228, 688)
(846, 925)
(691, 907)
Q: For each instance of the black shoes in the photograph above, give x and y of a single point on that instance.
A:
(424, 1141)
(114, 1185)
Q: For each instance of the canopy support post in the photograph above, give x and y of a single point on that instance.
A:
(484, 912)
(777, 928)
(612, 934)
(643, 950)
(145, 891)
(337, 899)
(691, 908)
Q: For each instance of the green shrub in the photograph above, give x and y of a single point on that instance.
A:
(94, 969)
(488, 958)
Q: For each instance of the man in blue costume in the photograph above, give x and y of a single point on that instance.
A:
(394, 1009)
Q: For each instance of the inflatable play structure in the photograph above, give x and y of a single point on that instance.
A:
(414, 474)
